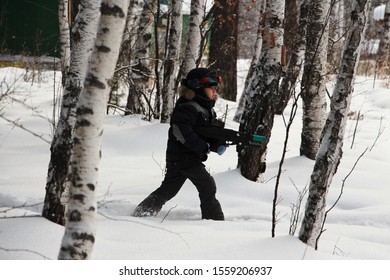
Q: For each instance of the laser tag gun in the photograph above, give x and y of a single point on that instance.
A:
(217, 132)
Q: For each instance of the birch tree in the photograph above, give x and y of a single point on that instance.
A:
(142, 67)
(385, 40)
(250, 77)
(83, 36)
(336, 35)
(330, 152)
(258, 115)
(313, 89)
(80, 228)
(63, 12)
(172, 61)
(130, 33)
(294, 66)
(193, 47)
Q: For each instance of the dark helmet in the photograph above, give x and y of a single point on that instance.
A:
(202, 78)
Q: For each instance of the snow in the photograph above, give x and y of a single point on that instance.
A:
(379, 12)
(372, 46)
(186, 9)
(132, 166)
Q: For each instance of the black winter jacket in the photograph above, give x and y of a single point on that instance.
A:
(185, 148)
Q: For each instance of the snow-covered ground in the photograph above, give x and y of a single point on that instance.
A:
(132, 166)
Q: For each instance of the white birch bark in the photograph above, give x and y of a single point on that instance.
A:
(192, 51)
(63, 12)
(172, 61)
(126, 54)
(258, 115)
(80, 228)
(336, 35)
(142, 67)
(250, 76)
(385, 40)
(313, 89)
(294, 66)
(142, 46)
(330, 152)
(83, 36)
(132, 21)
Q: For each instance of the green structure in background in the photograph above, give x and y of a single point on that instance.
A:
(29, 27)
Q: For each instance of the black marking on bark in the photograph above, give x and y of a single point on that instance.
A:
(84, 111)
(91, 186)
(79, 197)
(73, 252)
(103, 49)
(83, 236)
(93, 81)
(113, 11)
(83, 122)
(91, 209)
(75, 216)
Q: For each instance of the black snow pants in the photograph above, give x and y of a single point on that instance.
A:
(172, 183)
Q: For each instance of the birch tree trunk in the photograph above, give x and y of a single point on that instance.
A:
(294, 66)
(80, 228)
(171, 63)
(83, 36)
(385, 40)
(63, 12)
(144, 41)
(336, 35)
(258, 116)
(130, 33)
(193, 47)
(330, 152)
(250, 77)
(313, 89)
(141, 70)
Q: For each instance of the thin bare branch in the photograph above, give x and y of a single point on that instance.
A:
(26, 250)
(15, 122)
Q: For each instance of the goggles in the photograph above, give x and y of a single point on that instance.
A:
(208, 81)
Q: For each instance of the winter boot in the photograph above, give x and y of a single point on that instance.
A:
(212, 211)
(150, 206)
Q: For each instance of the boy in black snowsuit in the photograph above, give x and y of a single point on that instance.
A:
(186, 150)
